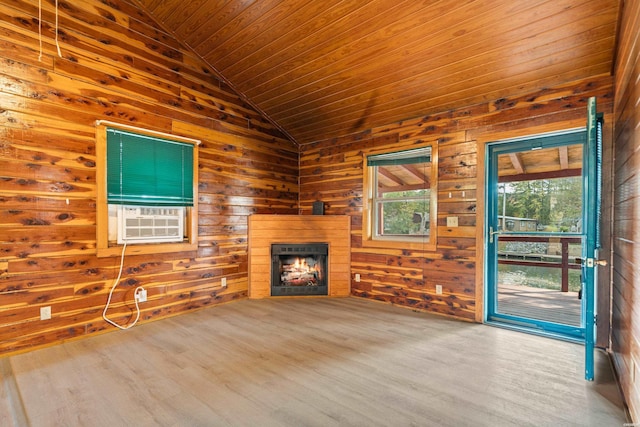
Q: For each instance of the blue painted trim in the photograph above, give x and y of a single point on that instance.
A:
(590, 176)
(540, 332)
(540, 326)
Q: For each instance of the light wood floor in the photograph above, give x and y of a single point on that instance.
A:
(308, 362)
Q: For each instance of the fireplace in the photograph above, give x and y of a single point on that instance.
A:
(299, 269)
(265, 230)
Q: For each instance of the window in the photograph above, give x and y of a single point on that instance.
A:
(400, 209)
(147, 190)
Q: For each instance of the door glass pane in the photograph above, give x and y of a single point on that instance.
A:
(544, 205)
(539, 246)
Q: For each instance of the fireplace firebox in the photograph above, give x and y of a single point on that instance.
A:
(299, 269)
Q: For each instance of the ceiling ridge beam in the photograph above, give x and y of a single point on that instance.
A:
(245, 98)
(220, 76)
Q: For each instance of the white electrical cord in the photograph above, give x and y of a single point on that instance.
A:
(40, 28)
(57, 43)
(135, 296)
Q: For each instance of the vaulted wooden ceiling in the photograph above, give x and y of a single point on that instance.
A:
(321, 69)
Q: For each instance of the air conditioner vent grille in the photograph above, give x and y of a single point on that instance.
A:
(146, 224)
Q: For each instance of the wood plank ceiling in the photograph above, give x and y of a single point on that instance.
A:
(556, 162)
(322, 69)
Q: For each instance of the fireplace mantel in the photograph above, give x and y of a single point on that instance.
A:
(264, 230)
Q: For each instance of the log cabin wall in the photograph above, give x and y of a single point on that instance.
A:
(116, 65)
(332, 171)
(625, 334)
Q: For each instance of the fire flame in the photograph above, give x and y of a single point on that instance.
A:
(301, 265)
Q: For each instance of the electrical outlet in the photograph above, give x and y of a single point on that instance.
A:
(223, 282)
(45, 313)
(452, 221)
(439, 289)
(357, 277)
(141, 295)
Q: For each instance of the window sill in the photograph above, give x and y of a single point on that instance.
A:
(412, 244)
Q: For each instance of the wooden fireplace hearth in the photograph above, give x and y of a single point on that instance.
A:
(265, 230)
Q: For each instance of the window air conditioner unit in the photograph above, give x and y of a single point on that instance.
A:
(150, 224)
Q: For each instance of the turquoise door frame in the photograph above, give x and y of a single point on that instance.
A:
(585, 333)
(592, 178)
(568, 332)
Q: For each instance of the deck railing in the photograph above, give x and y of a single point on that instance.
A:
(552, 260)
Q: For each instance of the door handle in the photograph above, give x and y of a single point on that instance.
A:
(591, 262)
(491, 233)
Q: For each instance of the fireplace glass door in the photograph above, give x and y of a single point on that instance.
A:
(299, 269)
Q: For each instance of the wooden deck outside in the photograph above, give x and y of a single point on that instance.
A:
(541, 304)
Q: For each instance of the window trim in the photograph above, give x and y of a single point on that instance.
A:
(368, 209)
(103, 249)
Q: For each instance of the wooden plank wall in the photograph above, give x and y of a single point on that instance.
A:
(332, 171)
(625, 336)
(116, 66)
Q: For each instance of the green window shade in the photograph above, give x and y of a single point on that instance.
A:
(145, 170)
(420, 155)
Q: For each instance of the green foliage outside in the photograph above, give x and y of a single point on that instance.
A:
(555, 203)
(405, 212)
